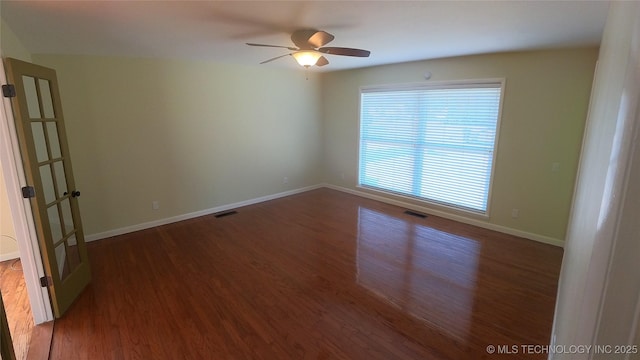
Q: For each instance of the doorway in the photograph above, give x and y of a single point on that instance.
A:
(33, 299)
(12, 283)
(50, 189)
(42, 197)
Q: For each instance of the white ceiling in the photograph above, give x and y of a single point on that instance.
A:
(394, 31)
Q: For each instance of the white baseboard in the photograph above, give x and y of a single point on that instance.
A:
(9, 256)
(459, 218)
(455, 217)
(151, 224)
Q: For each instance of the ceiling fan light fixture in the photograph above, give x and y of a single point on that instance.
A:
(309, 49)
(307, 58)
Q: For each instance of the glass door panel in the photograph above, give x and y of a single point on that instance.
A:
(47, 101)
(31, 94)
(39, 141)
(45, 154)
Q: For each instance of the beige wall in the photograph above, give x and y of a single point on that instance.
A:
(195, 135)
(10, 46)
(545, 105)
(191, 135)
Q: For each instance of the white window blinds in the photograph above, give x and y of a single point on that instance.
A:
(434, 143)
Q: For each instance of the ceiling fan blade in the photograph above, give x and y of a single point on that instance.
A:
(275, 58)
(322, 61)
(301, 38)
(320, 38)
(275, 46)
(345, 51)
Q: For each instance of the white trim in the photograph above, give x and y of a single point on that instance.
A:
(10, 256)
(496, 144)
(442, 84)
(622, 209)
(451, 208)
(459, 218)
(173, 219)
(22, 216)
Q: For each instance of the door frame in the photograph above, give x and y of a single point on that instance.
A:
(21, 212)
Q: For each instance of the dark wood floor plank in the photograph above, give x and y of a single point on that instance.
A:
(318, 275)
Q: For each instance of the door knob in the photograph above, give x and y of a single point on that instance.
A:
(74, 193)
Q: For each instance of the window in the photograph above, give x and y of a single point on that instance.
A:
(432, 142)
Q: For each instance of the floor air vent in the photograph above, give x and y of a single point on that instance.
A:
(225, 213)
(415, 213)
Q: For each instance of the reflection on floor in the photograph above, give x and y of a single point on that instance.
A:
(318, 275)
(427, 273)
(16, 302)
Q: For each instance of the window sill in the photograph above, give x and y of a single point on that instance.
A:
(425, 205)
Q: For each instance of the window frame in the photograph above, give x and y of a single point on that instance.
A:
(444, 84)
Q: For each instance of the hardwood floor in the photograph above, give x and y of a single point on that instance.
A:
(318, 275)
(31, 342)
(16, 301)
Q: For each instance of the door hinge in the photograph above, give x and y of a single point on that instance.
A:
(45, 281)
(8, 90)
(28, 192)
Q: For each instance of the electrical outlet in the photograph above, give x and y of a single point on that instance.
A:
(342, 176)
(285, 180)
(155, 205)
(515, 213)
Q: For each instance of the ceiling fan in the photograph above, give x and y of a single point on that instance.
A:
(310, 47)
